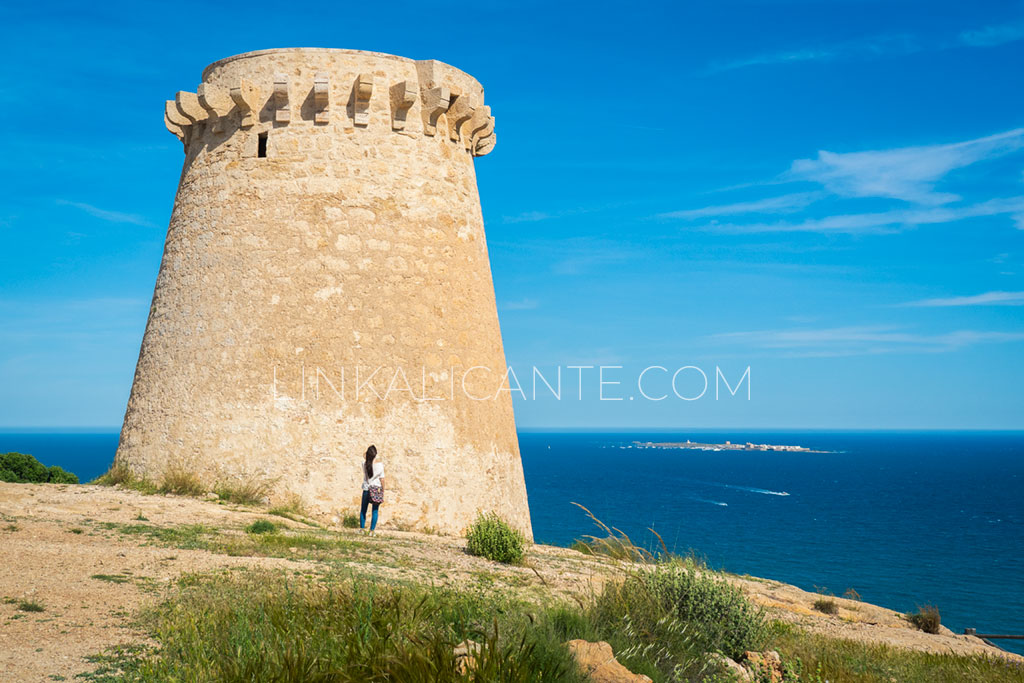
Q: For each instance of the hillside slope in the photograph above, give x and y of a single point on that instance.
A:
(90, 557)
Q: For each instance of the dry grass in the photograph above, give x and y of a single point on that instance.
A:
(120, 475)
(117, 474)
(251, 491)
(181, 481)
(616, 544)
(926, 618)
(826, 606)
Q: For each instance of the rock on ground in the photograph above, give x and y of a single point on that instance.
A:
(598, 662)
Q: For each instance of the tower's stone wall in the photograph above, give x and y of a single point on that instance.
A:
(331, 294)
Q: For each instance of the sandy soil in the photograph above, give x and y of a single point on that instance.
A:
(63, 547)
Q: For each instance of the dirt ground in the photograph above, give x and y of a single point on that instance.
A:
(72, 551)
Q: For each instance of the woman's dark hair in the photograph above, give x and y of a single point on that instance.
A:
(371, 453)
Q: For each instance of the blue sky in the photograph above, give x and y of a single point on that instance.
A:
(830, 193)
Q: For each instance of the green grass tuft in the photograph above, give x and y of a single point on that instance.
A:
(30, 606)
(110, 578)
(261, 526)
(826, 606)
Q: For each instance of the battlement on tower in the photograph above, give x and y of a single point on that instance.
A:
(333, 90)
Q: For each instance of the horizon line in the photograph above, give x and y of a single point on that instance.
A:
(103, 429)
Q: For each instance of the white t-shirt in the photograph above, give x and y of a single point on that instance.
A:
(378, 474)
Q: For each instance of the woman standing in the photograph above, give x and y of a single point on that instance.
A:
(373, 489)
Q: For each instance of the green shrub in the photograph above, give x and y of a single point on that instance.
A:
(350, 520)
(22, 468)
(261, 526)
(58, 475)
(826, 605)
(490, 536)
(677, 594)
(926, 618)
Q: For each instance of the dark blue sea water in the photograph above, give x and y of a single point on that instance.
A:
(903, 518)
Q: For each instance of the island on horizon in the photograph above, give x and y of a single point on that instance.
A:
(727, 446)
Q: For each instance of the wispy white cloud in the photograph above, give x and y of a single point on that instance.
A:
(868, 47)
(575, 255)
(871, 47)
(863, 340)
(527, 217)
(907, 173)
(111, 216)
(536, 216)
(986, 299)
(782, 57)
(881, 221)
(100, 317)
(782, 204)
(991, 36)
(521, 305)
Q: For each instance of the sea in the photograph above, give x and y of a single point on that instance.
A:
(905, 519)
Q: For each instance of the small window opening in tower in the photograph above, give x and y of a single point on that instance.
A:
(261, 148)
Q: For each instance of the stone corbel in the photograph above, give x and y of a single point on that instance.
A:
(480, 140)
(321, 97)
(246, 97)
(282, 108)
(175, 122)
(435, 102)
(188, 105)
(403, 96)
(460, 111)
(484, 145)
(361, 93)
(216, 101)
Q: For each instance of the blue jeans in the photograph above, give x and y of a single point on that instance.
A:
(362, 512)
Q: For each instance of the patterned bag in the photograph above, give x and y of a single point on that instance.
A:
(377, 494)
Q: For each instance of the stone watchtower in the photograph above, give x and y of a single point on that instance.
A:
(325, 285)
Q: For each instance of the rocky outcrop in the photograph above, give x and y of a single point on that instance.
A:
(598, 662)
(764, 666)
(465, 656)
(731, 667)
